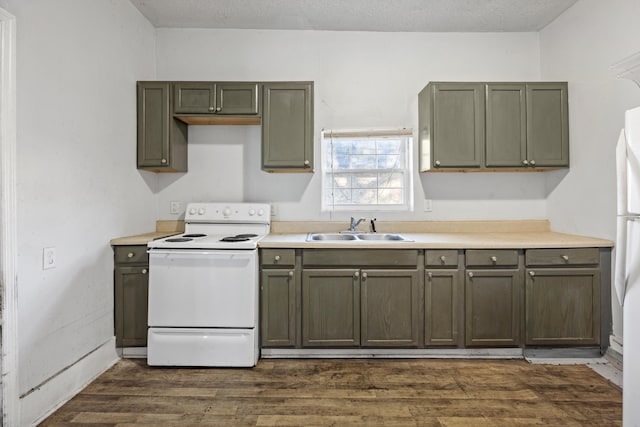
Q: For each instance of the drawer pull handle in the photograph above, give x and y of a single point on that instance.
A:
(291, 274)
(471, 274)
(532, 273)
(130, 255)
(276, 258)
(494, 259)
(430, 275)
(443, 259)
(565, 258)
(144, 271)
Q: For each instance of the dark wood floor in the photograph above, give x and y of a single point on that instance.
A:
(367, 392)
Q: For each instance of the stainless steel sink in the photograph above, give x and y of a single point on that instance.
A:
(380, 237)
(329, 236)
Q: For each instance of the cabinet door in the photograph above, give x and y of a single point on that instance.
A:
(390, 308)
(506, 142)
(278, 308)
(194, 97)
(562, 306)
(287, 127)
(492, 307)
(130, 305)
(443, 308)
(162, 140)
(330, 308)
(237, 98)
(547, 124)
(457, 120)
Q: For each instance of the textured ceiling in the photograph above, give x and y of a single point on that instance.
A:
(356, 15)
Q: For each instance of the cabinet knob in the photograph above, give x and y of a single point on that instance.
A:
(163, 161)
(364, 276)
(144, 271)
(532, 273)
(443, 259)
(211, 108)
(471, 274)
(430, 275)
(437, 163)
(291, 274)
(219, 109)
(494, 259)
(130, 255)
(356, 274)
(532, 162)
(565, 258)
(525, 162)
(276, 258)
(306, 162)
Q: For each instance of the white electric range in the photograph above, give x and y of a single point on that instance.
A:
(203, 288)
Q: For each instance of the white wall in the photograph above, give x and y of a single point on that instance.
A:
(362, 80)
(579, 47)
(77, 184)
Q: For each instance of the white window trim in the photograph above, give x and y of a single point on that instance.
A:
(355, 133)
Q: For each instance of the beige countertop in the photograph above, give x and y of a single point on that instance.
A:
(164, 228)
(437, 234)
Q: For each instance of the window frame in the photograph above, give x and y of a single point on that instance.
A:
(327, 170)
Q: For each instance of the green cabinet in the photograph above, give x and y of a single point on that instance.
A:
(287, 127)
(493, 295)
(443, 299)
(451, 125)
(390, 308)
(493, 126)
(216, 98)
(562, 297)
(161, 139)
(278, 298)
(131, 288)
(330, 308)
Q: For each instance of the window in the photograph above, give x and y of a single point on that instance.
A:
(369, 170)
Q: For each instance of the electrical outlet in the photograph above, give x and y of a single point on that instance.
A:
(48, 258)
(175, 208)
(428, 205)
(274, 210)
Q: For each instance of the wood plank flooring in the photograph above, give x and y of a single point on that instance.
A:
(364, 392)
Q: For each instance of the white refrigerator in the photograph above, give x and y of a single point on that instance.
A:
(627, 266)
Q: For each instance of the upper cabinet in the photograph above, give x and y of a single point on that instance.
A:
(287, 127)
(216, 98)
(284, 109)
(493, 126)
(162, 140)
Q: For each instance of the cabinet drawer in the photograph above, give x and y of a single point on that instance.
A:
(134, 254)
(441, 258)
(574, 256)
(491, 257)
(360, 257)
(277, 257)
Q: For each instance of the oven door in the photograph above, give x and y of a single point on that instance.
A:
(203, 288)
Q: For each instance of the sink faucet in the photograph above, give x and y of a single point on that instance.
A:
(355, 223)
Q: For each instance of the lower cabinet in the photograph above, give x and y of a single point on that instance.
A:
(331, 308)
(492, 308)
(131, 290)
(442, 303)
(278, 307)
(390, 308)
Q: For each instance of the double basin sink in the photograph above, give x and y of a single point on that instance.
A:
(333, 237)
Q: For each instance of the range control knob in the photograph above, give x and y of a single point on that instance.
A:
(192, 211)
(226, 211)
(252, 212)
(260, 212)
(201, 211)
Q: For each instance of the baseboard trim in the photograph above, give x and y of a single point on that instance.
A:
(453, 353)
(46, 398)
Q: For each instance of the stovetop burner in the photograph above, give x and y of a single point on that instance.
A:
(235, 239)
(194, 235)
(178, 239)
(246, 235)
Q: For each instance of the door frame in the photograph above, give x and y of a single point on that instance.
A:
(8, 219)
